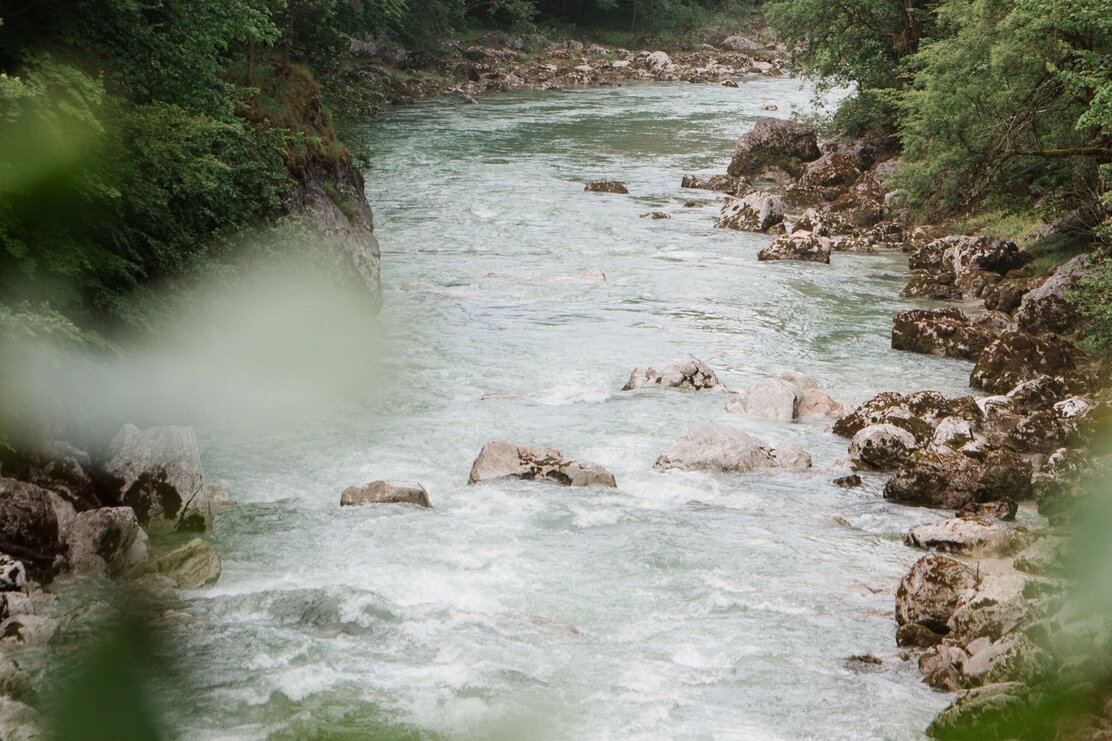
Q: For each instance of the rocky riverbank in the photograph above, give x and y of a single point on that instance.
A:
(500, 62)
(989, 613)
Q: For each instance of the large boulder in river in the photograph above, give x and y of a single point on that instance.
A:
(500, 459)
(1046, 308)
(773, 398)
(945, 332)
(932, 591)
(159, 475)
(741, 44)
(606, 186)
(385, 492)
(798, 245)
(882, 446)
(774, 142)
(688, 375)
(940, 477)
(106, 542)
(722, 448)
(1018, 356)
(28, 524)
(756, 212)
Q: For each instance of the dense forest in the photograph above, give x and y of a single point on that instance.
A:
(139, 138)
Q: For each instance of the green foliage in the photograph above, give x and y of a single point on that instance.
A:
(1093, 299)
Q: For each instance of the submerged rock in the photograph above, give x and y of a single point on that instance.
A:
(606, 186)
(722, 448)
(159, 475)
(192, 565)
(385, 492)
(799, 245)
(692, 375)
(501, 459)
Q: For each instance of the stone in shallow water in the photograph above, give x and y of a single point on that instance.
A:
(969, 536)
(769, 399)
(500, 459)
(722, 448)
(191, 566)
(693, 374)
(385, 492)
(606, 186)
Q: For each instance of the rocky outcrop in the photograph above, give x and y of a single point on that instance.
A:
(756, 212)
(798, 245)
(729, 450)
(159, 475)
(686, 375)
(500, 459)
(774, 142)
(944, 332)
(1046, 308)
(385, 492)
(605, 186)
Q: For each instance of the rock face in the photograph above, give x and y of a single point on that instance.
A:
(192, 565)
(882, 446)
(106, 542)
(931, 592)
(1017, 356)
(944, 478)
(756, 212)
(385, 492)
(160, 477)
(690, 375)
(605, 186)
(722, 448)
(774, 142)
(945, 332)
(500, 459)
(28, 524)
(798, 245)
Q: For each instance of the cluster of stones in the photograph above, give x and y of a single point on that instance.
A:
(501, 62)
(64, 516)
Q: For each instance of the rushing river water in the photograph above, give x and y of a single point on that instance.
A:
(680, 605)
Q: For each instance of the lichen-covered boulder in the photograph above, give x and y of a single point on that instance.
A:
(159, 475)
(726, 449)
(947, 479)
(831, 170)
(1018, 356)
(945, 332)
(803, 246)
(756, 212)
(385, 492)
(882, 446)
(606, 186)
(687, 375)
(772, 398)
(106, 542)
(499, 459)
(961, 266)
(774, 142)
(931, 591)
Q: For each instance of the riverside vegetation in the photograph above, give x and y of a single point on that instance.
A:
(977, 138)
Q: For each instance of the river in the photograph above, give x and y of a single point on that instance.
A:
(679, 605)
